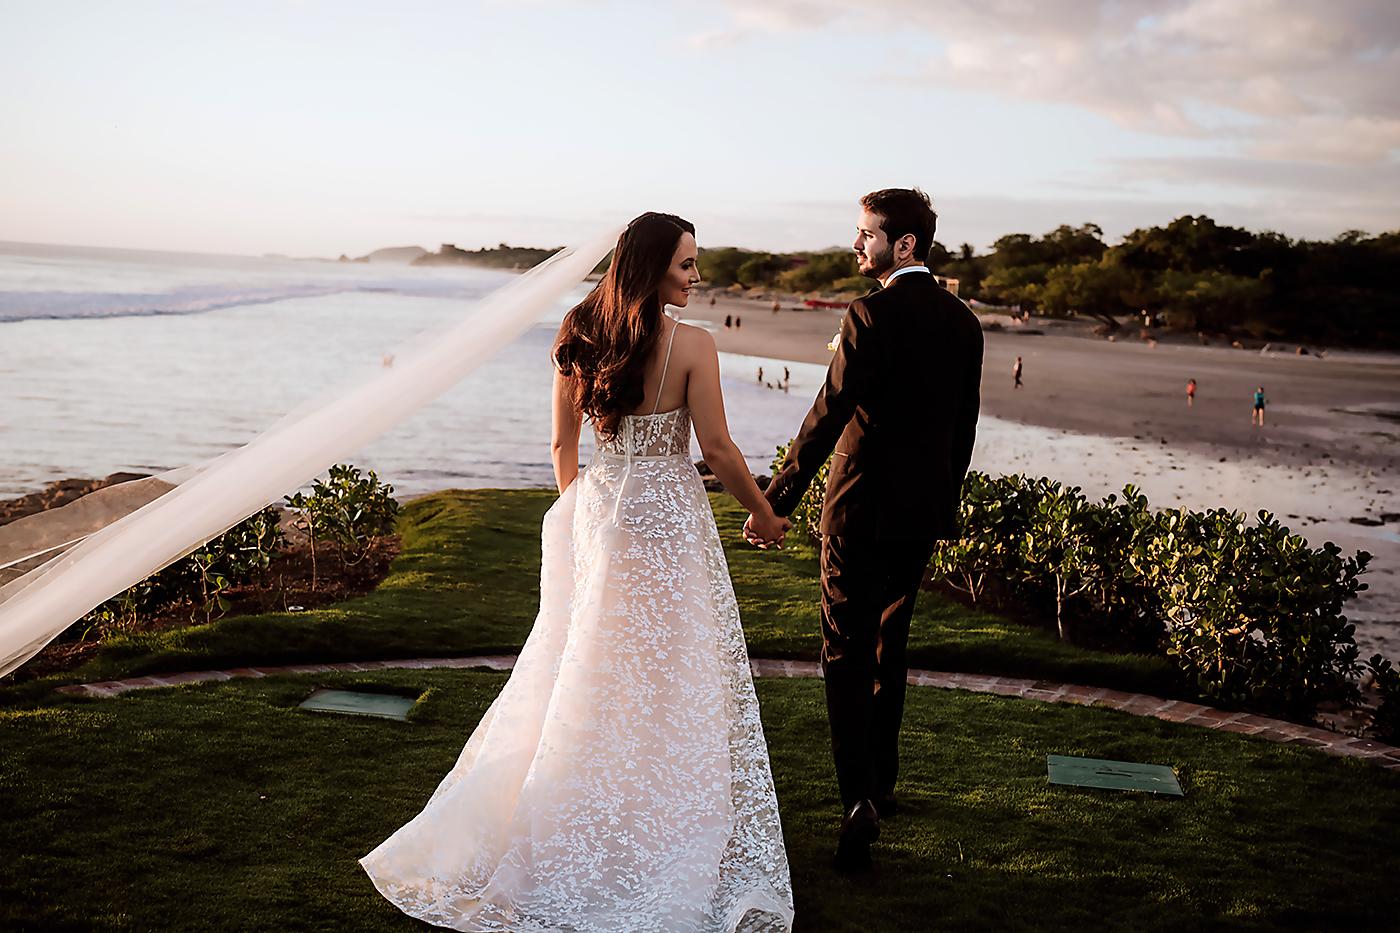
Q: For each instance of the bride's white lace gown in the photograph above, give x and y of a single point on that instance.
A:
(620, 781)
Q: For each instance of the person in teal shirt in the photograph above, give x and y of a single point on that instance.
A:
(1258, 416)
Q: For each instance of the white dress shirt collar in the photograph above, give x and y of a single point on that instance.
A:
(898, 272)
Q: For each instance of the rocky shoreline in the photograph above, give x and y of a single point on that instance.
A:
(58, 493)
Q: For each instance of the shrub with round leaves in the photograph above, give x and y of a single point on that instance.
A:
(1254, 616)
(807, 517)
(1386, 717)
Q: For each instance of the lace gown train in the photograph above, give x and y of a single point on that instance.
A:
(620, 781)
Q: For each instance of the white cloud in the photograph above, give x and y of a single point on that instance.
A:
(777, 16)
(1276, 79)
(1333, 139)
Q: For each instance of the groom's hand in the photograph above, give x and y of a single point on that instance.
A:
(775, 536)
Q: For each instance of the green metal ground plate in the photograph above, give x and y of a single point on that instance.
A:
(1113, 775)
(383, 705)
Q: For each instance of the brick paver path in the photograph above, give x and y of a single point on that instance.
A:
(1274, 730)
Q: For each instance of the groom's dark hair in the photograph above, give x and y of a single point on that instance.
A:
(905, 211)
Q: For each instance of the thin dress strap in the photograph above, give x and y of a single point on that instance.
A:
(664, 366)
(627, 429)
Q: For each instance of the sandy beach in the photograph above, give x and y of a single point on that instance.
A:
(1101, 414)
(1345, 406)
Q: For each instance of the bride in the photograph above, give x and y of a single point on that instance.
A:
(620, 781)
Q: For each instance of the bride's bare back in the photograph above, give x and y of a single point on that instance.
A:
(691, 380)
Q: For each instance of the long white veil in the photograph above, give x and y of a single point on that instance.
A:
(66, 561)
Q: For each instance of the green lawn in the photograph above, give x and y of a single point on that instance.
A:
(222, 806)
(467, 582)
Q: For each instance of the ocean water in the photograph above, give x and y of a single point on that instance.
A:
(135, 361)
(125, 361)
(67, 282)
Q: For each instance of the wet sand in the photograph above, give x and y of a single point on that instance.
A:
(1101, 414)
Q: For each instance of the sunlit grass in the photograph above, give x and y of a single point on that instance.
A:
(223, 806)
(467, 582)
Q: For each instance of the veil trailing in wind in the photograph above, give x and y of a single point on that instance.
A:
(56, 566)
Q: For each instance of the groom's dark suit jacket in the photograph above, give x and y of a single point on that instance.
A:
(899, 412)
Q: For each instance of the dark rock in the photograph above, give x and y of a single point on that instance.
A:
(59, 493)
(712, 483)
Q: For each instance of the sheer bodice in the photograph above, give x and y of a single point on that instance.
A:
(660, 434)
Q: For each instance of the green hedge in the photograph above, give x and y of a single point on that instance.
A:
(348, 509)
(1250, 614)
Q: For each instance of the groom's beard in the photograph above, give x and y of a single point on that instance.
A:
(880, 263)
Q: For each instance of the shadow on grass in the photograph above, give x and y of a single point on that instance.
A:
(223, 806)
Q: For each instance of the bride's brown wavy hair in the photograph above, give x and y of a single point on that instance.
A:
(607, 338)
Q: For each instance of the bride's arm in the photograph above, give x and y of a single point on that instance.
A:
(564, 444)
(722, 455)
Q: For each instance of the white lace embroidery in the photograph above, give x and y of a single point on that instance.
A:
(620, 781)
(663, 434)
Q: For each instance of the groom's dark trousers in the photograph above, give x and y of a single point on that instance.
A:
(898, 417)
(868, 592)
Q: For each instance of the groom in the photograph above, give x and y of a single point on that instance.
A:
(897, 415)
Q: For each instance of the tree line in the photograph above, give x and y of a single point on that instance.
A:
(1192, 274)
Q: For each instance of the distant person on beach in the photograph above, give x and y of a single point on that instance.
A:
(1257, 418)
(760, 375)
(737, 321)
(728, 321)
(1191, 393)
(712, 301)
(1016, 373)
(775, 306)
(787, 377)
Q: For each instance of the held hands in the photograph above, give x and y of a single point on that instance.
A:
(765, 531)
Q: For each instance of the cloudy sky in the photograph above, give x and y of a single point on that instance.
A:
(315, 128)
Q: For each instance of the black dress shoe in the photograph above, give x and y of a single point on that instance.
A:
(887, 807)
(859, 829)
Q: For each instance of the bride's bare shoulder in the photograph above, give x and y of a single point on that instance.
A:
(694, 341)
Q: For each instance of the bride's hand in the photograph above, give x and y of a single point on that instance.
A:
(766, 531)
